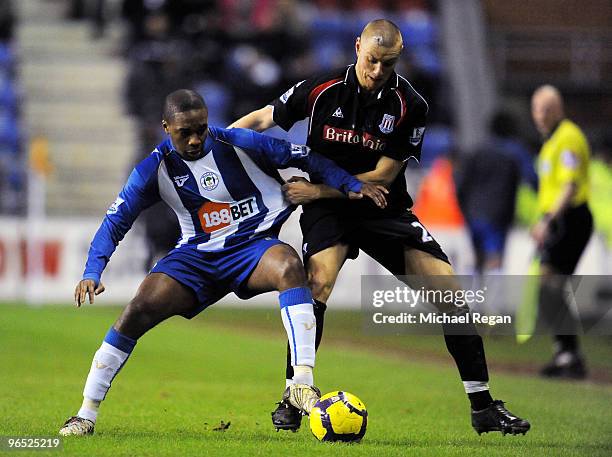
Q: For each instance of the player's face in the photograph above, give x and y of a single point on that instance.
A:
(375, 63)
(188, 131)
(543, 114)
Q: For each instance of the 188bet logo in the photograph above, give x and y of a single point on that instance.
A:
(215, 216)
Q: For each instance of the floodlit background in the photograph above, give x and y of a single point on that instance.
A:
(82, 83)
(81, 89)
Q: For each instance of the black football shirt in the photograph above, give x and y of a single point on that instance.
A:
(354, 128)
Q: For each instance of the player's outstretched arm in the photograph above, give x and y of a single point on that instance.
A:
(87, 287)
(258, 120)
(300, 191)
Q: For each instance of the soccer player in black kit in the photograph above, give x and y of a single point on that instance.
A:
(371, 121)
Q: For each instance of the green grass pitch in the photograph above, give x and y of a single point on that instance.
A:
(185, 377)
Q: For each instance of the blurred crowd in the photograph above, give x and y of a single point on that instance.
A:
(243, 53)
(12, 175)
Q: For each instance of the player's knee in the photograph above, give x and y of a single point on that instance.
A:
(292, 273)
(137, 318)
(321, 284)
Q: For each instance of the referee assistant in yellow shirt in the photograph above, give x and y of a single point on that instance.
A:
(565, 225)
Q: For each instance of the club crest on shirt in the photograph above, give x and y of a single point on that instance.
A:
(209, 180)
(386, 125)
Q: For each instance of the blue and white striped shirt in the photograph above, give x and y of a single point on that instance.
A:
(227, 197)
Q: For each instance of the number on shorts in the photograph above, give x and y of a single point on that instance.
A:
(425, 236)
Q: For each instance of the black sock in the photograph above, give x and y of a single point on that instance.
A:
(319, 312)
(480, 400)
(465, 345)
(567, 343)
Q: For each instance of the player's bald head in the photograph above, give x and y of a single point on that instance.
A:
(378, 49)
(548, 95)
(181, 101)
(382, 32)
(547, 108)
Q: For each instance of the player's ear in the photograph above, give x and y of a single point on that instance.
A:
(165, 126)
(357, 45)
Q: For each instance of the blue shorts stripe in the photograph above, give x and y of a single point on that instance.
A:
(295, 296)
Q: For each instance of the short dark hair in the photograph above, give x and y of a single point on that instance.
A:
(180, 101)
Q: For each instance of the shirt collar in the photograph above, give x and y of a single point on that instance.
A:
(350, 79)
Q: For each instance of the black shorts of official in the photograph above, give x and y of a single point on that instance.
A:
(325, 224)
(567, 240)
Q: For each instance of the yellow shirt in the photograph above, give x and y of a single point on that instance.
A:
(563, 159)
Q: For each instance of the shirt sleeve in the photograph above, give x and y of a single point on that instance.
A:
(292, 106)
(139, 192)
(570, 164)
(269, 152)
(406, 140)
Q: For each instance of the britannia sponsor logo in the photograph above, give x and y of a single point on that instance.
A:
(351, 137)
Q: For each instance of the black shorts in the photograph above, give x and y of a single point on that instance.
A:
(568, 238)
(327, 223)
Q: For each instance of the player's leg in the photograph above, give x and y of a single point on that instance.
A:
(559, 258)
(322, 274)
(281, 269)
(322, 270)
(323, 230)
(410, 250)
(158, 298)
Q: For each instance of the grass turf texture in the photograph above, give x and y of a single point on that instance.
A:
(227, 365)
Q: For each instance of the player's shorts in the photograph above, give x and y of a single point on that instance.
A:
(569, 236)
(327, 223)
(212, 275)
(486, 237)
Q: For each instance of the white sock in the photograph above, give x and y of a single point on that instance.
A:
(300, 325)
(289, 382)
(106, 363)
(303, 375)
(89, 409)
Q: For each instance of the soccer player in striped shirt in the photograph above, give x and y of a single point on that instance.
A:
(225, 189)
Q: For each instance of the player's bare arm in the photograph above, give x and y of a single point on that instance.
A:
(258, 120)
(385, 172)
(84, 288)
(300, 191)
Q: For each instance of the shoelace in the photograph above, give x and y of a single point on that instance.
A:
(499, 406)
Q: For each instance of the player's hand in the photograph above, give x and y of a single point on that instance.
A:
(539, 232)
(299, 191)
(374, 191)
(87, 287)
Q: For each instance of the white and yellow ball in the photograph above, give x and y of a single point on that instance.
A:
(339, 416)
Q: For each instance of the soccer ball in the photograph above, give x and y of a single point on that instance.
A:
(339, 416)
